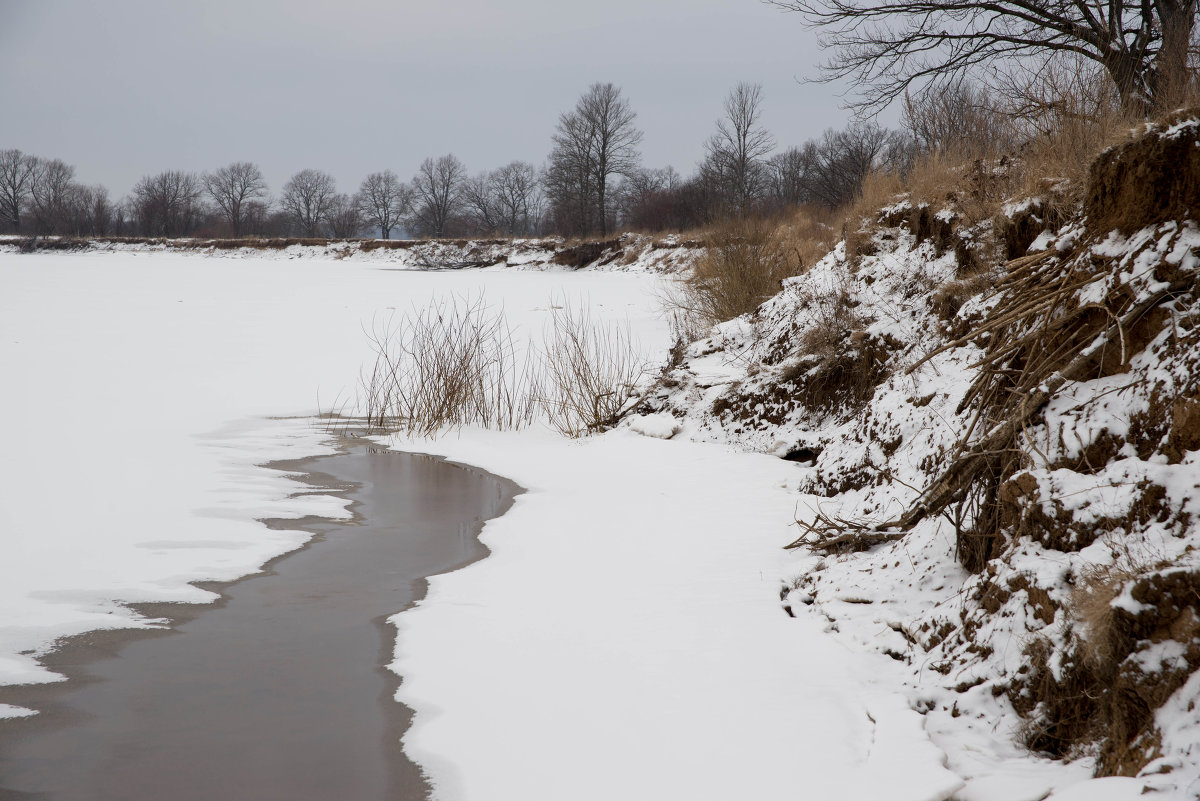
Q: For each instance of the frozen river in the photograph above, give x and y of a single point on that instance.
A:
(280, 690)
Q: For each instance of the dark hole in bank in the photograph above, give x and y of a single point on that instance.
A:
(801, 455)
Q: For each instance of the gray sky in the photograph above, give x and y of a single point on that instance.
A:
(125, 88)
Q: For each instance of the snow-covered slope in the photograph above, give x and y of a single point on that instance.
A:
(1000, 477)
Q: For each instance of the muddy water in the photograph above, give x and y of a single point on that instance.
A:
(277, 692)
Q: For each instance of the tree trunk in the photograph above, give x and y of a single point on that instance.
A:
(1170, 77)
(603, 215)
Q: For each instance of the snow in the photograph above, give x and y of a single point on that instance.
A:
(662, 426)
(644, 577)
(911, 599)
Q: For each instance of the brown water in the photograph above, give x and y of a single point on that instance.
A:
(279, 691)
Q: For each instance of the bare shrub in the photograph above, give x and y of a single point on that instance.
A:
(457, 362)
(1067, 112)
(451, 364)
(744, 263)
(590, 371)
(957, 118)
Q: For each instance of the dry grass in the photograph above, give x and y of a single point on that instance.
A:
(1091, 607)
(590, 372)
(953, 295)
(1066, 113)
(880, 189)
(457, 363)
(837, 363)
(451, 364)
(810, 232)
(744, 263)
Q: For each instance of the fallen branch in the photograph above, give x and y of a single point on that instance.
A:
(963, 471)
(829, 535)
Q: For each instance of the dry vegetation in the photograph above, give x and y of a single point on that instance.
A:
(451, 364)
(590, 371)
(744, 262)
(458, 363)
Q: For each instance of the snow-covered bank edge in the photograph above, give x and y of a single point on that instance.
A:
(999, 438)
(621, 253)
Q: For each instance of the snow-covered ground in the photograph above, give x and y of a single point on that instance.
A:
(625, 639)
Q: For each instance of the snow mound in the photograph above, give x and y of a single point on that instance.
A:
(660, 426)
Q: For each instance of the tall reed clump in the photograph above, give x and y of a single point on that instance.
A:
(590, 372)
(457, 362)
(1064, 114)
(450, 364)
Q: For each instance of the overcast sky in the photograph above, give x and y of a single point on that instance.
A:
(125, 88)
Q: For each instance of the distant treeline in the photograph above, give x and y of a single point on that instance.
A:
(593, 182)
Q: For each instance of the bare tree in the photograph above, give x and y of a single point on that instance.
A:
(384, 200)
(593, 142)
(518, 198)
(506, 200)
(89, 212)
(611, 120)
(50, 191)
(887, 46)
(17, 173)
(648, 198)
(168, 204)
(257, 217)
(437, 194)
(789, 175)
(569, 178)
(481, 204)
(842, 159)
(306, 199)
(345, 218)
(956, 118)
(736, 151)
(232, 188)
